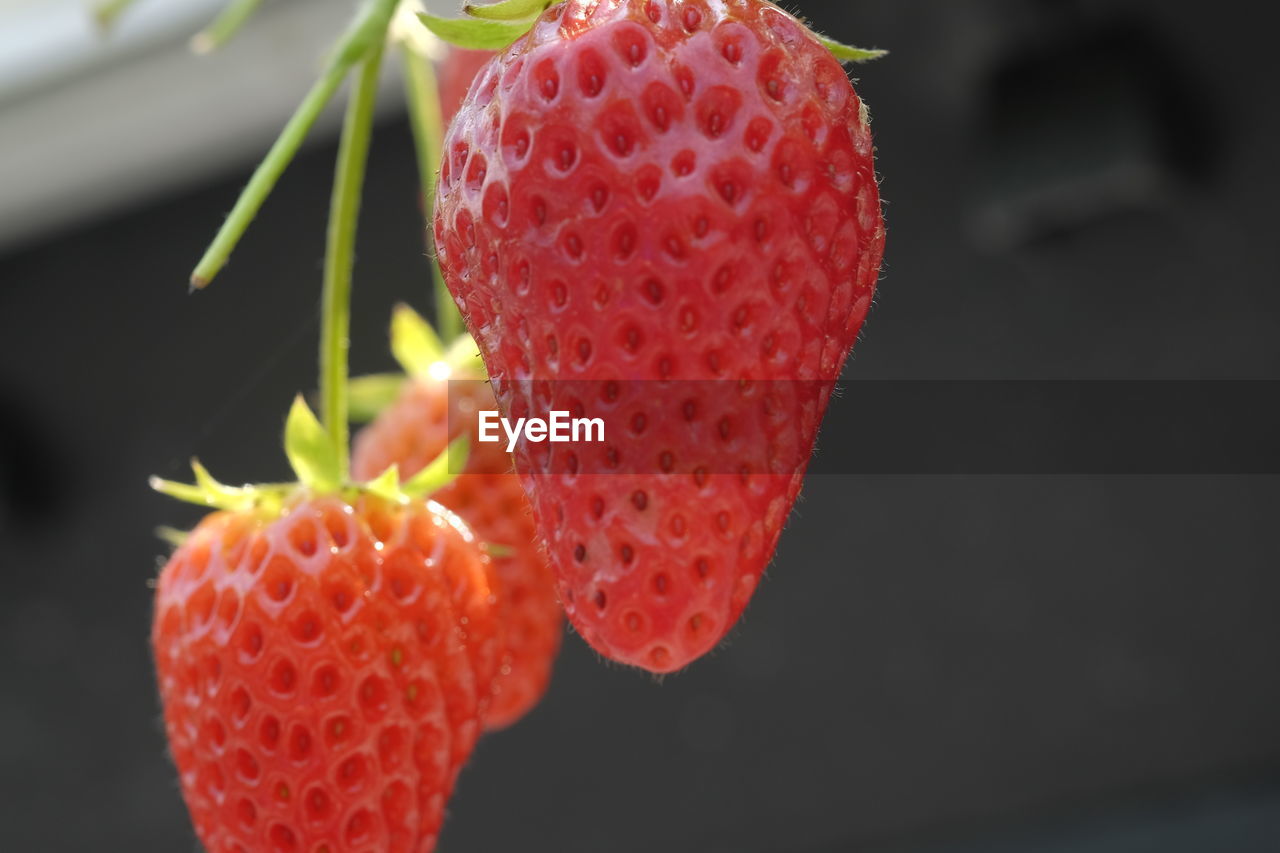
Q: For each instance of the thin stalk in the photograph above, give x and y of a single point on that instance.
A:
(225, 26)
(426, 121)
(339, 258)
(368, 28)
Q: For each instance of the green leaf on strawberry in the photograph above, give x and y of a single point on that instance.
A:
(414, 343)
(316, 466)
(475, 33)
(387, 484)
(508, 10)
(496, 26)
(848, 53)
(440, 472)
(311, 453)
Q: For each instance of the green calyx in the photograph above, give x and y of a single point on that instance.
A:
(848, 53)
(475, 33)
(508, 10)
(496, 26)
(317, 466)
(488, 27)
(422, 355)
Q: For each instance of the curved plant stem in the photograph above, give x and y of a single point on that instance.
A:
(339, 259)
(369, 28)
(225, 26)
(426, 120)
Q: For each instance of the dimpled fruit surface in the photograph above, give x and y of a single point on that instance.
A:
(324, 673)
(670, 199)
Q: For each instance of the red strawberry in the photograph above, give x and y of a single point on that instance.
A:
(411, 433)
(316, 681)
(457, 71)
(325, 653)
(680, 192)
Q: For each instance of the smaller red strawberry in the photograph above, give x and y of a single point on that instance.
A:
(412, 432)
(325, 653)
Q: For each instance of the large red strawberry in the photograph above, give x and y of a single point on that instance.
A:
(412, 432)
(667, 198)
(325, 657)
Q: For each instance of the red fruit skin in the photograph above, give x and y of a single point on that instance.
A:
(411, 433)
(457, 72)
(319, 685)
(663, 191)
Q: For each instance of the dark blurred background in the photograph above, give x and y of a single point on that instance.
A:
(943, 664)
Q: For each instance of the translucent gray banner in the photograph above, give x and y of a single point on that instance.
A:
(877, 427)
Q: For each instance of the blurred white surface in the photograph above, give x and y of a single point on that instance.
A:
(92, 122)
(43, 42)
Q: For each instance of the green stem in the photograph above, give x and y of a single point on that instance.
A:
(368, 28)
(339, 259)
(107, 12)
(427, 123)
(225, 26)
